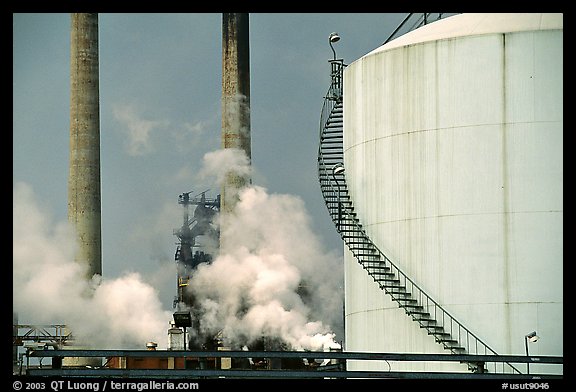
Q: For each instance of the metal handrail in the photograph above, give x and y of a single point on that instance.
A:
(334, 191)
(421, 20)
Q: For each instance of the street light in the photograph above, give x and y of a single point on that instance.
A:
(334, 37)
(533, 338)
(338, 169)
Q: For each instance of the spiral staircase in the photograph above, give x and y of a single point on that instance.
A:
(416, 303)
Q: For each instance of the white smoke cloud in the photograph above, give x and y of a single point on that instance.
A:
(138, 130)
(49, 288)
(272, 277)
(217, 164)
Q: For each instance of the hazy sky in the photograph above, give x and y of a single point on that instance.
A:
(160, 89)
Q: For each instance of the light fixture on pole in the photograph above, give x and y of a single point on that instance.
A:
(532, 338)
(338, 169)
(334, 37)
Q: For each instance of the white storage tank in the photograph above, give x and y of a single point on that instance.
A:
(453, 149)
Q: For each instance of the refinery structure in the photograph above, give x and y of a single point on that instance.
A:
(440, 164)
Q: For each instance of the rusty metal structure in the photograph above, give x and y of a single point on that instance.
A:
(198, 240)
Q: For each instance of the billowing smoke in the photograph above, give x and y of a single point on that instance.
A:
(272, 279)
(49, 288)
(218, 164)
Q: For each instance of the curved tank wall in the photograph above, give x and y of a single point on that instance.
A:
(453, 143)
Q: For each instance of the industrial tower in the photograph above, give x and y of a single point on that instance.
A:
(235, 101)
(84, 167)
(198, 243)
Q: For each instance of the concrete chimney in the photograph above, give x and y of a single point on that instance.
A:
(235, 101)
(84, 169)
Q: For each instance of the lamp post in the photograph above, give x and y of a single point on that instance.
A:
(333, 37)
(532, 337)
(336, 71)
(338, 169)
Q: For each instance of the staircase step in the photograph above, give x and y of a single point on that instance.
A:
(328, 162)
(433, 327)
(393, 290)
(386, 284)
(441, 334)
(385, 279)
(417, 312)
(382, 268)
(349, 230)
(375, 264)
(369, 258)
(413, 306)
(385, 271)
(359, 235)
(430, 322)
(419, 316)
(391, 274)
(366, 258)
(446, 340)
(408, 300)
(365, 254)
(378, 267)
(352, 241)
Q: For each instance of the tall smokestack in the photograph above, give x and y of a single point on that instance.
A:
(84, 174)
(235, 101)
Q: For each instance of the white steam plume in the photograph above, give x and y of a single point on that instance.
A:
(217, 164)
(273, 278)
(139, 132)
(49, 288)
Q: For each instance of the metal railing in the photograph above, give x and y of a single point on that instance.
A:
(417, 20)
(334, 367)
(49, 333)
